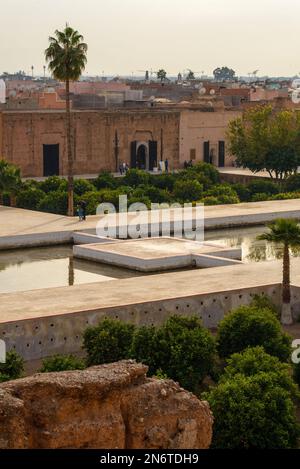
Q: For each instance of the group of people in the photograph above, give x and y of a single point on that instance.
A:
(188, 164)
(123, 168)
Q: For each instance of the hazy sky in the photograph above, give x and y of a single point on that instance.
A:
(125, 36)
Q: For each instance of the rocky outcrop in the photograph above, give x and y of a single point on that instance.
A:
(108, 406)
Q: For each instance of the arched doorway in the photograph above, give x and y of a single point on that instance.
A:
(141, 157)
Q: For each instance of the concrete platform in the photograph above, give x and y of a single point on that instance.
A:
(158, 254)
(50, 302)
(23, 228)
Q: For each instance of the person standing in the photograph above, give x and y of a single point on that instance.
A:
(83, 204)
(167, 165)
(121, 168)
(80, 211)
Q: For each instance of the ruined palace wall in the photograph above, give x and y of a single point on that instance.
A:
(94, 137)
(198, 126)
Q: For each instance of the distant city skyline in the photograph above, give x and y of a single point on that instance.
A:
(128, 37)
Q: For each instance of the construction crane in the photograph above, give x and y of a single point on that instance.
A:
(253, 74)
(148, 73)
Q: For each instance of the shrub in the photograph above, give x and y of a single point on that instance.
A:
(62, 363)
(221, 194)
(54, 202)
(264, 301)
(181, 348)
(53, 184)
(12, 368)
(187, 190)
(105, 180)
(228, 199)
(262, 186)
(30, 198)
(221, 190)
(154, 194)
(208, 170)
(136, 177)
(260, 197)
(108, 342)
(141, 200)
(163, 181)
(253, 361)
(242, 191)
(249, 326)
(296, 373)
(210, 200)
(286, 196)
(292, 183)
(253, 412)
(92, 200)
(81, 186)
(190, 175)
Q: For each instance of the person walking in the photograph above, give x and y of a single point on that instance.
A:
(121, 168)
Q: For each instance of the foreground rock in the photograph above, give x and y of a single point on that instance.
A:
(109, 406)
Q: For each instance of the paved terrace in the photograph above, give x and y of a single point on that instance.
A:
(21, 228)
(36, 304)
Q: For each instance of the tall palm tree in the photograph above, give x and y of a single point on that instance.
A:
(10, 179)
(287, 234)
(66, 57)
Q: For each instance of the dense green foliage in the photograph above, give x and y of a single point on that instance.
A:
(255, 360)
(10, 179)
(181, 348)
(62, 363)
(296, 373)
(254, 403)
(250, 326)
(12, 368)
(199, 183)
(253, 411)
(108, 342)
(264, 139)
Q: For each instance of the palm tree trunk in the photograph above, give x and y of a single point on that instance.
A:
(286, 313)
(70, 153)
(286, 288)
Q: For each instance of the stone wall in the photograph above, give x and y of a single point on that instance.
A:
(111, 406)
(25, 133)
(197, 127)
(177, 131)
(41, 337)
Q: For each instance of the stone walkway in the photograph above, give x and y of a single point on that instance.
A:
(154, 288)
(16, 222)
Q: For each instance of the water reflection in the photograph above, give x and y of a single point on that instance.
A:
(31, 269)
(246, 238)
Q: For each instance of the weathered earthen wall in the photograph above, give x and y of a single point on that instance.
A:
(25, 133)
(111, 406)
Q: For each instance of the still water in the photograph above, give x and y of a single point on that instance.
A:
(48, 267)
(246, 238)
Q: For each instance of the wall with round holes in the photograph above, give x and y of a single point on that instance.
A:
(42, 337)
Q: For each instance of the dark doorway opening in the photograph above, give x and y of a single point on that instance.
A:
(141, 157)
(51, 160)
(152, 154)
(221, 154)
(206, 152)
